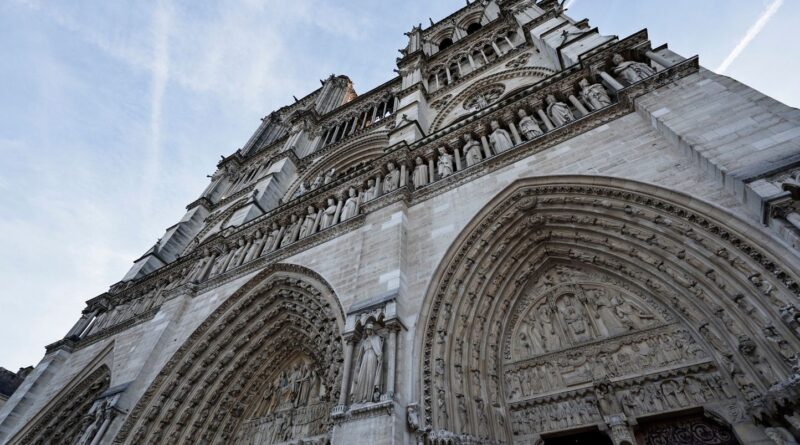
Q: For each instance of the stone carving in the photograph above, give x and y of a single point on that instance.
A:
(472, 150)
(595, 95)
(420, 175)
(330, 176)
(528, 126)
(444, 165)
(368, 368)
(484, 98)
(350, 208)
(292, 230)
(392, 180)
(558, 112)
(307, 227)
(629, 71)
(518, 62)
(371, 192)
(780, 435)
(328, 215)
(302, 190)
(500, 138)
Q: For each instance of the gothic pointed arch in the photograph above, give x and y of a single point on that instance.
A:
(576, 301)
(264, 367)
(63, 419)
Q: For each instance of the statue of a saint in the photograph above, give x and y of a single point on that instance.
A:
(330, 176)
(392, 180)
(528, 126)
(500, 138)
(292, 230)
(444, 165)
(371, 191)
(350, 208)
(308, 222)
(472, 150)
(328, 215)
(595, 95)
(574, 318)
(301, 190)
(420, 176)
(317, 183)
(631, 72)
(367, 373)
(270, 245)
(559, 112)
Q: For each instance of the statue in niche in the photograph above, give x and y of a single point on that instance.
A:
(371, 191)
(444, 165)
(631, 72)
(292, 231)
(307, 227)
(441, 408)
(549, 337)
(328, 215)
(631, 317)
(472, 150)
(350, 208)
(575, 319)
(420, 177)
(559, 112)
(317, 182)
(605, 311)
(528, 126)
(367, 375)
(392, 180)
(301, 190)
(500, 138)
(330, 176)
(595, 95)
(270, 244)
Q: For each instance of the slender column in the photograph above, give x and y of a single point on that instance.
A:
(431, 170)
(510, 43)
(545, 119)
(471, 61)
(449, 77)
(391, 349)
(403, 174)
(373, 114)
(514, 132)
(659, 59)
(485, 59)
(338, 211)
(578, 105)
(460, 70)
(610, 82)
(353, 126)
(486, 150)
(318, 219)
(207, 267)
(457, 155)
(81, 324)
(245, 252)
(378, 186)
(279, 239)
(102, 431)
(497, 50)
(348, 358)
(436, 75)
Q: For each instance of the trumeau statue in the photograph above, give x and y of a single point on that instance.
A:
(559, 112)
(595, 94)
(392, 180)
(371, 192)
(308, 222)
(367, 373)
(500, 138)
(528, 126)
(420, 176)
(631, 72)
(328, 215)
(350, 208)
(472, 150)
(444, 165)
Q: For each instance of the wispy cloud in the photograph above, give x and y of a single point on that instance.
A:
(751, 34)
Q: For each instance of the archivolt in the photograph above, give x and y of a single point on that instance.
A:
(215, 378)
(707, 266)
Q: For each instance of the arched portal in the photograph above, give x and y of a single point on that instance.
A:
(575, 302)
(263, 368)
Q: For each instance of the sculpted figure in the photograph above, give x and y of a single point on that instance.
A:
(605, 310)
(628, 315)
(631, 72)
(330, 176)
(441, 408)
(317, 183)
(444, 165)
(500, 138)
(559, 112)
(308, 222)
(371, 192)
(550, 339)
(392, 180)
(367, 375)
(472, 150)
(528, 126)
(292, 230)
(350, 208)
(420, 176)
(270, 244)
(574, 317)
(301, 190)
(594, 94)
(329, 215)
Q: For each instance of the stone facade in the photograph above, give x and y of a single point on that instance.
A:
(533, 234)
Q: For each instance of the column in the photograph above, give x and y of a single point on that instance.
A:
(510, 43)
(318, 219)
(511, 126)
(403, 174)
(659, 59)
(348, 358)
(457, 154)
(485, 59)
(378, 186)
(485, 143)
(545, 119)
(471, 61)
(277, 244)
(610, 82)
(207, 267)
(391, 350)
(431, 170)
(497, 50)
(81, 324)
(578, 105)
(449, 78)
(338, 209)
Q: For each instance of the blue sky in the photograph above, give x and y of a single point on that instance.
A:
(113, 113)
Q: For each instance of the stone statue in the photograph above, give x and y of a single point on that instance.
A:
(420, 176)
(559, 112)
(307, 227)
(528, 126)
(631, 72)
(330, 176)
(500, 138)
(606, 400)
(595, 95)
(329, 215)
(392, 180)
(444, 165)
(367, 373)
(631, 317)
(317, 183)
(301, 190)
(350, 208)
(549, 337)
(270, 244)
(292, 230)
(441, 408)
(605, 311)
(575, 319)
(371, 191)
(472, 150)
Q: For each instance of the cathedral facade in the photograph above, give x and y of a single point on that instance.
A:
(534, 234)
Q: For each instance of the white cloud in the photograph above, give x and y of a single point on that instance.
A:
(751, 34)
